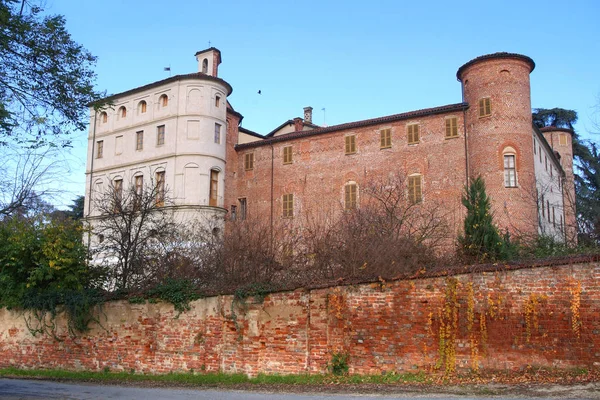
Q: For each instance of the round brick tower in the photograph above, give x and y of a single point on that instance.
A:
(499, 136)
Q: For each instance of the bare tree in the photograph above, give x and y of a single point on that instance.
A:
(133, 233)
(26, 174)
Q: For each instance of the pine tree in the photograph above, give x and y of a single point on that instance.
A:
(481, 240)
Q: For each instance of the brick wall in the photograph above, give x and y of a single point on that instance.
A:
(502, 319)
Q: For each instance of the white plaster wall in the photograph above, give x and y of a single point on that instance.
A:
(179, 149)
(548, 185)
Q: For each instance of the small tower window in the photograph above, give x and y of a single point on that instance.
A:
(562, 139)
(205, 65)
(139, 140)
(122, 112)
(485, 107)
(103, 117)
(510, 171)
(160, 188)
(160, 135)
(217, 101)
(99, 148)
(163, 100)
(217, 133)
(142, 106)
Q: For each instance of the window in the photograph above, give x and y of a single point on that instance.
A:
(118, 188)
(142, 106)
(540, 151)
(205, 65)
(99, 148)
(214, 186)
(553, 218)
(350, 144)
(163, 100)
(510, 171)
(243, 208)
(413, 133)
(160, 188)
(485, 107)
(548, 209)
(139, 185)
(350, 196)
(139, 140)
(546, 162)
(543, 207)
(386, 138)
(217, 101)
(451, 127)
(233, 212)
(249, 161)
(160, 135)
(287, 155)
(217, 134)
(122, 112)
(534, 147)
(103, 117)
(415, 193)
(562, 139)
(288, 205)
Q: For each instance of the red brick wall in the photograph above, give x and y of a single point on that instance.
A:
(320, 169)
(507, 319)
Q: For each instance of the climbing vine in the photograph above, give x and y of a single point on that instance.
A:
(575, 291)
(448, 327)
(531, 313)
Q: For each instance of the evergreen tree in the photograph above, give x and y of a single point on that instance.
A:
(481, 240)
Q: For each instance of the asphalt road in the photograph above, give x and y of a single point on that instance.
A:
(22, 389)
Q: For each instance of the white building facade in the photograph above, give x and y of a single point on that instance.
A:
(170, 133)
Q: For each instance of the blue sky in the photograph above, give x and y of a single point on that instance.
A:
(356, 59)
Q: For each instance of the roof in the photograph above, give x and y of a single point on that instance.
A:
(251, 133)
(556, 129)
(289, 122)
(210, 49)
(357, 124)
(494, 56)
(195, 75)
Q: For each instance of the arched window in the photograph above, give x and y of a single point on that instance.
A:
(142, 107)
(214, 188)
(122, 112)
(350, 195)
(103, 117)
(205, 65)
(163, 100)
(510, 167)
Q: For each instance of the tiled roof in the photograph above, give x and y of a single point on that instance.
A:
(195, 75)
(555, 129)
(495, 56)
(358, 124)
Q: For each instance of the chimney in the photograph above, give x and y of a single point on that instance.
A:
(308, 115)
(298, 124)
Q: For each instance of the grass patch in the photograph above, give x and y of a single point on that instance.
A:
(217, 378)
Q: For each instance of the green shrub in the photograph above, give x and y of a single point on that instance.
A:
(339, 364)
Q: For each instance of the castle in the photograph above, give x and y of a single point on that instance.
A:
(182, 133)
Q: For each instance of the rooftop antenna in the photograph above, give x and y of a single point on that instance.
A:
(168, 69)
(324, 122)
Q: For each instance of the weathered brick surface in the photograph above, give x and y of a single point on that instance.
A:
(547, 316)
